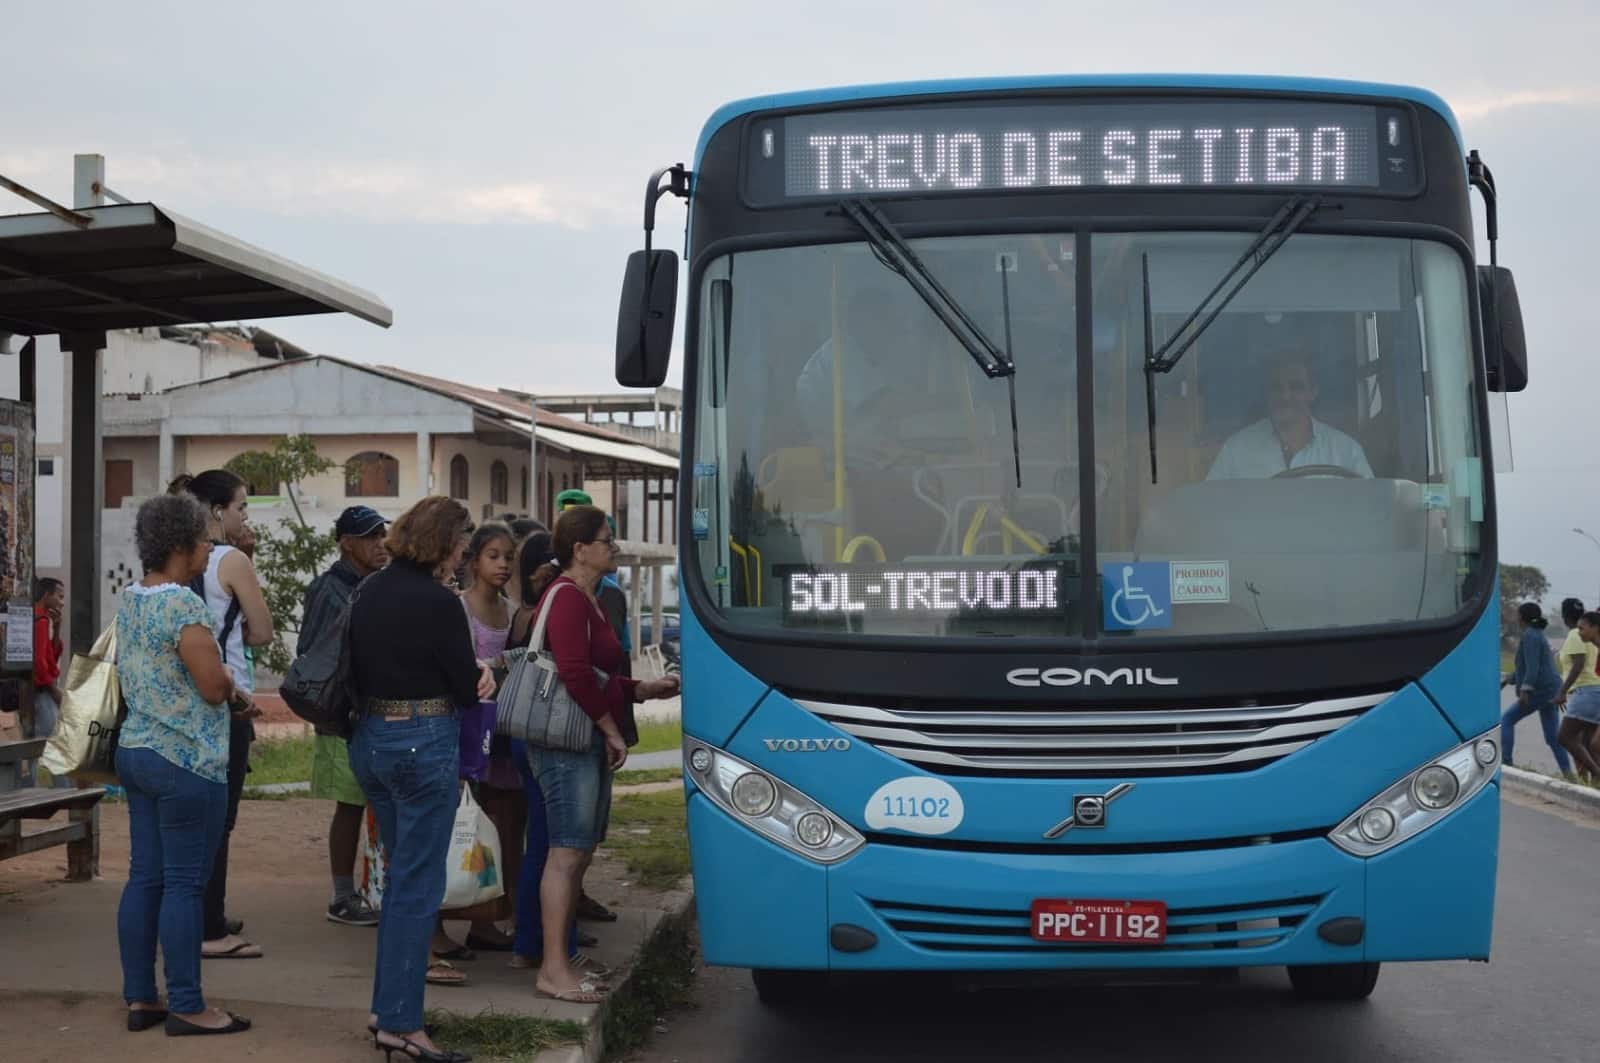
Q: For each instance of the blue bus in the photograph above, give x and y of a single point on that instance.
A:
(1088, 539)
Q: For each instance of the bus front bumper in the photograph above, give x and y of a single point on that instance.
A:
(1428, 898)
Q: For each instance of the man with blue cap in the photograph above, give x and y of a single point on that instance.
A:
(360, 534)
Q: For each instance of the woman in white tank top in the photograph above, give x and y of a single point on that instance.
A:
(239, 619)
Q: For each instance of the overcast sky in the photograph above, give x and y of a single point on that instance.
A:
(481, 165)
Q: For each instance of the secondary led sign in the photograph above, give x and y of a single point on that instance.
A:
(852, 590)
(1074, 144)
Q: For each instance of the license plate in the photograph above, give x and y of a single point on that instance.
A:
(1100, 922)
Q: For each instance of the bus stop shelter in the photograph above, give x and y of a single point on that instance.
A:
(106, 264)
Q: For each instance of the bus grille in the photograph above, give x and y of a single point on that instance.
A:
(1236, 927)
(1091, 742)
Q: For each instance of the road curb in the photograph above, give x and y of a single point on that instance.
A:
(592, 1050)
(1555, 791)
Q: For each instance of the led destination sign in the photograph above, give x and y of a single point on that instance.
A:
(854, 590)
(1241, 144)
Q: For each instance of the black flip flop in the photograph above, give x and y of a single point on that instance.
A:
(484, 945)
(594, 911)
(177, 1027)
(461, 954)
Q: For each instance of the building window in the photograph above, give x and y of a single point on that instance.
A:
(524, 477)
(458, 477)
(499, 484)
(564, 484)
(47, 466)
(371, 474)
(119, 481)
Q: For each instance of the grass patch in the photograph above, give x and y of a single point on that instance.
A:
(658, 735)
(661, 983)
(495, 1037)
(641, 776)
(1508, 662)
(650, 832)
(278, 760)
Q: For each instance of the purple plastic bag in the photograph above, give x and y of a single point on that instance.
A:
(477, 731)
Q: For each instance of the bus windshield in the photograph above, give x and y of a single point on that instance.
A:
(1316, 455)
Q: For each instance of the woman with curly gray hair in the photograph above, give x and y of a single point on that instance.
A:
(172, 759)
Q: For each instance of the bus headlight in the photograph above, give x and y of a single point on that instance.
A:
(1420, 800)
(768, 805)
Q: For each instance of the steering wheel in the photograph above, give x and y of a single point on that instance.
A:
(1317, 470)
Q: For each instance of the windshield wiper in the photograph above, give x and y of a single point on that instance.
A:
(893, 251)
(1283, 225)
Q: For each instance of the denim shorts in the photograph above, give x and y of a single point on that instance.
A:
(577, 793)
(1584, 704)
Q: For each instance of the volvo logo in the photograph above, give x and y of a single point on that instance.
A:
(1088, 677)
(806, 745)
(1088, 810)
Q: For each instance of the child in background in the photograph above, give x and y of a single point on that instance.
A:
(1580, 690)
(488, 562)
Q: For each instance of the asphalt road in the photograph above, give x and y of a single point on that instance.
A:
(1534, 1002)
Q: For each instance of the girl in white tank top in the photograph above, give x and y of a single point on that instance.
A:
(226, 622)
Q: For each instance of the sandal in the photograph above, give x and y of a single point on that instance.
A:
(459, 953)
(594, 911)
(586, 964)
(586, 993)
(447, 974)
(483, 944)
(244, 950)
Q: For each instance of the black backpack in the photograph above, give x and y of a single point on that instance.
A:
(230, 617)
(319, 686)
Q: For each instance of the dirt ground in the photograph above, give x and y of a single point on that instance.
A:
(60, 977)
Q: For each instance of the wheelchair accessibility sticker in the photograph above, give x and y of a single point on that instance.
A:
(1136, 595)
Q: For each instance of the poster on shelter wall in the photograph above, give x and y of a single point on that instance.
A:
(10, 526)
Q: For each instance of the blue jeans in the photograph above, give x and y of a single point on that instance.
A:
(1549, 719)
(46, 717)
(536, 849)
(407, 768)
(174, 824)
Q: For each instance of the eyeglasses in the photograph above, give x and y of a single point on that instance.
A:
(610, 544)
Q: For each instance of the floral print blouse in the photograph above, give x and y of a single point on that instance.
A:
(166, 714)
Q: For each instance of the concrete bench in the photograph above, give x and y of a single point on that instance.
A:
(80, 834)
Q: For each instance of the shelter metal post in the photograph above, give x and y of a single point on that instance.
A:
(86, 477)
(655, 605)
(28, 376)
(636, 600)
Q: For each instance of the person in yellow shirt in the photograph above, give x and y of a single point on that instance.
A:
(1580, 690)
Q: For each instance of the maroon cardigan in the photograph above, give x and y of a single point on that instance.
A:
(580, 639)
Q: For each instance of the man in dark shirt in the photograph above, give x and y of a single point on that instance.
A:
(359, 531)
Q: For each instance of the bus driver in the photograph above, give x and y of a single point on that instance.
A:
(1289, 437)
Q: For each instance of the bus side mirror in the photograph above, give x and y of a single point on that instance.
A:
(645, 318)
(1505, 349)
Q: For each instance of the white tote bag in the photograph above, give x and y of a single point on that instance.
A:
(472, 873)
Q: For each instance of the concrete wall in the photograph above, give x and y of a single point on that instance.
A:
(144, 455)
(141, 362)
(480, 459)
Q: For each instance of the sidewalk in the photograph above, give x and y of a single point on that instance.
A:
(60, 984)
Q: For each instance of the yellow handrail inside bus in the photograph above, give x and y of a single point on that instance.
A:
(752, 587)
(861, 541)
(1008, 529)
(970, 542)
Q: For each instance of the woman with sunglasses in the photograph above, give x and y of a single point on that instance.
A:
(577, 786)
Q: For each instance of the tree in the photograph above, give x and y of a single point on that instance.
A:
(291, 554)
(1518, 584)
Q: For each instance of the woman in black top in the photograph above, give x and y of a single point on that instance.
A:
(413, 665)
